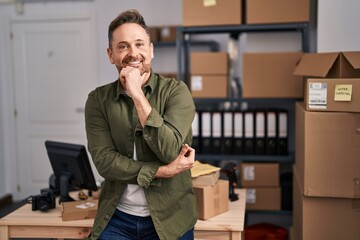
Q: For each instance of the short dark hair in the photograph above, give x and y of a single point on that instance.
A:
(128, 16)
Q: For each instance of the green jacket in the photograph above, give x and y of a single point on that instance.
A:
(112, 128)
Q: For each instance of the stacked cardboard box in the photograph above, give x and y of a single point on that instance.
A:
(212, 193)
(261, 181)
(270, 75)
(327, 169)
(209, 74)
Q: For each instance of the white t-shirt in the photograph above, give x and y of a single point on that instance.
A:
(133, 200)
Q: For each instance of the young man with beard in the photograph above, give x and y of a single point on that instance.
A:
(139, 132)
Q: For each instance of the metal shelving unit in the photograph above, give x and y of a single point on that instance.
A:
(183, 52)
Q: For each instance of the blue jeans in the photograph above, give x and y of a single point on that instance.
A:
(123, 226)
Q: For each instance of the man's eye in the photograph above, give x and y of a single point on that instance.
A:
(140, 44)
(122, 46)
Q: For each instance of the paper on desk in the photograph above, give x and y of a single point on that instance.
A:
(202, 169)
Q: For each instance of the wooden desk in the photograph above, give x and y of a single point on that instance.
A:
(24, 223)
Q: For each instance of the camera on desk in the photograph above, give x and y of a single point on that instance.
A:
(43, 202)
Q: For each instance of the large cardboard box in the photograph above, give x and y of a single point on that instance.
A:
(259, 174)
(263, 198)
(212, 200)
(329, 65)
(333, 94)
(78, 210)
(207, 179)
(327, 218)
(209, 74)
(210, 13)
(327, 152)
(277, 11)
(270, 75)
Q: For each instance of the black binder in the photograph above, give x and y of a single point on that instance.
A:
(216, 133)
(271, 132)
(206, 132)
(249, 132)
(228, 132)
(238, 139)
(282, 132)
(259, 133)
(196, 133)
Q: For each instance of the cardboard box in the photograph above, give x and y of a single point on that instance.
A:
(324, 218)
(333, 94)
(329, 65)
(277, 11)
(259, 175)
(263, 198)
(209, 74)
(78, 210)
(212, 200)
(210, 13)
(327, 152)
(167, 33)
(209, 63)
(270, 75)
(207, 179)
(209, 86)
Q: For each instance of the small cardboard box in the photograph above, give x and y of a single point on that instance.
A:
(324, 217)
(259, 175)
(210, 13)
(263, 198)
(209, 63)
(270, 75)
(209, 74)
(329, 65)
(207, 179)
(277, 11)
(333, 94)
(327, 152)
(167, 33)
(78, 210)
(209, 86)
(212, 200)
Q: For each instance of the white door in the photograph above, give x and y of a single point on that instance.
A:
(54, 70)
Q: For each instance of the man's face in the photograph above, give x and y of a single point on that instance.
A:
(131, 47)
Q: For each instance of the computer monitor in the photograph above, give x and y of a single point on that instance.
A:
(71, 167)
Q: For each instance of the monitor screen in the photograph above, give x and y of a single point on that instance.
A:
(71, 167)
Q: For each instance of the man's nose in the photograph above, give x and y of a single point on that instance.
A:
(134, 51)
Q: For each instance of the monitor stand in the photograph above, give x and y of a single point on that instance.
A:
(64, 188)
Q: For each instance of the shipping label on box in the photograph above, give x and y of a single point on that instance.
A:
(259, 174)
(263, 198)
(333, 94)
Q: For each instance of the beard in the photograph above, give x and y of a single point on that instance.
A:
(145, 68)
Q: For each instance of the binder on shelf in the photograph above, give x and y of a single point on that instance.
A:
(228, 132)
(206, 132)
(196, 133)
(238, 140)
(259, 133)
(216, 133)
(271, 130)
(282, 133)
(249, 133)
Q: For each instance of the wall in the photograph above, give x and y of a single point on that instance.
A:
(338, 23)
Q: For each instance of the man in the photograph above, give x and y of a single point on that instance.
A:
(138, 131)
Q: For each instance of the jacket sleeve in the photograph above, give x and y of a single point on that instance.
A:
(166, 132)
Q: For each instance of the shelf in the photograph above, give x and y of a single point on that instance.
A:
(213, 45)
(183, 38)
(269, 212)
(251, 158)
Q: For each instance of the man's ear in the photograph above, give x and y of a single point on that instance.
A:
(110, 55)
(151, 50)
